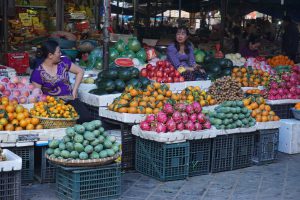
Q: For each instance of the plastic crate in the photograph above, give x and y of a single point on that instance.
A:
(165, 162)
(27, 155)
(45, 172)
(199, 157)
(243, 148)
(128, 147)
(88, 183)
(283, 110)
(265, 146)
(10, 185)
(94, 111)
(222, 153)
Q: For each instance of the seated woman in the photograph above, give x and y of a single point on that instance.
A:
(251, 48)
(52, 76)
(181, 52)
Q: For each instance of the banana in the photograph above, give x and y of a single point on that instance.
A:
(181, 70)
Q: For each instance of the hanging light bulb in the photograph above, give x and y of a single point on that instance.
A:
(282, 2)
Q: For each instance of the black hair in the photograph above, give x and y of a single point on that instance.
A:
(48, 47)
(253, 39)
(187, 43)
(287, 18)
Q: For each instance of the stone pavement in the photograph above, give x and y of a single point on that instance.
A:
(277, 181)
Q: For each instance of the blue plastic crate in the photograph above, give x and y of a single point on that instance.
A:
(88, 183)
(243, 148)
(165, 162)
(266, 146)
(10, 185)
(200, 152)
(27, 155)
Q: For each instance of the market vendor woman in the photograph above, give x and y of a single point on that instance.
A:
(52, 76)
(181, 53)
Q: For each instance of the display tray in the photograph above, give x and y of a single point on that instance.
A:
(282, 101)
(267, 125)
(13, 162)
(83, 163)
(121, 117)
(96, 100)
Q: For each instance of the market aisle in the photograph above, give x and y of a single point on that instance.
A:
(269, 182)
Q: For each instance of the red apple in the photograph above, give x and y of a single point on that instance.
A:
(23, 100)
(6, 93)
(11, 86)
(16, 93)
(2, 87)
(25, 93)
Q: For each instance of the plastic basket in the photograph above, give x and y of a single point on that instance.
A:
(283, 110)
(165, 162)
(88, 183)
(266, 146)
(200, 152)
(10, 185)
(27, 155)
(128, 147)
(45, 172)
(94, 111)
(243, 148)
(296, 113)
(222, 153)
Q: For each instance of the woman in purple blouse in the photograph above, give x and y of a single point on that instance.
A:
(251, 48)
(52, 76)
(181, 52)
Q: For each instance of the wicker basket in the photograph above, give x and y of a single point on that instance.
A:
(83, 163)
(51, 123)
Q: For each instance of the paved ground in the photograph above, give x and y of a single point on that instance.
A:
(277, 181)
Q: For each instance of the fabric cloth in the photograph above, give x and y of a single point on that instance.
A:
(58, 85)
(178, 59)
(290, 40)
(246, 52)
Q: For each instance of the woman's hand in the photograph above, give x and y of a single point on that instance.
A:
(74, 94)
(190, 69)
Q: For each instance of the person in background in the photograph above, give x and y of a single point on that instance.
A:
(52, 76)
(180, 53)
(251, 47)
(290, 38)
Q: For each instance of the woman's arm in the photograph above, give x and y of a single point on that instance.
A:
(192, 61)
(36, 85)
(172, 57)
(79, 75)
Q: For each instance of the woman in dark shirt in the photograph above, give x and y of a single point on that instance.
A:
(251, 48)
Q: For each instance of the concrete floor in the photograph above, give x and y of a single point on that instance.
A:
(276, 181)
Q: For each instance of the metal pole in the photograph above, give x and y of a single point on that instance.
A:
(162, 12)
(59, 15)
(135, 17)
(148, 14)
(118, 4)
(106, 5)
(156, 7)
(223, 16)
(97, 14)
(5, 25)
(179, 9)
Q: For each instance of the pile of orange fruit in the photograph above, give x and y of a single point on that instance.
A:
(191, 94)
(147, 101)
(53, 108)
(250, 78)
(280, 60)
(253, 91)
(297, 106)
(14, 117)
(260, 110)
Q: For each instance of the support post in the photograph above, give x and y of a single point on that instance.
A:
(156, 7)
(223, 16)
(5, 25)
(135, 17)
(179, 3)
(148, 20)
(59, 15)
(106, 5)
(118, 4)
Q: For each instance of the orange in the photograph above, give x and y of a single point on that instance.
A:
(10, 109)
(160, 97)
(159, 104)
(168, 93)
(3, 121)
(276, 118)
(270, 118)
(268, 108)
(141, 110)
(39, 126)
(23, 123)
(19, 109)
(10, 116)
(156, 110)
(29, 127)
(258, 118)
(156, 85)
(20, 116)
(262, 107)
(133, 92)
(18, 128)
(149, 110)
(133, 104)
(264, 119)
(265, 113)
(143, 103)
(35, 121)
(15, 122)
(132, 110)
(9, 127)
(123, 110)
(253, 114)
(1, 127)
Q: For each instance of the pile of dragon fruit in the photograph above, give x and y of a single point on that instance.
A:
(177, 118)
(284, 86)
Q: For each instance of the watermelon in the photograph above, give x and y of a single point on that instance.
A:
(109, 86)
(113, 54)
(124, 74)
(141, 55)
(120, 46)
(134, 45)
(134, 72)
(120, 85)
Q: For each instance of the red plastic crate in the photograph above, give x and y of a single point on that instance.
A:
(18, 61)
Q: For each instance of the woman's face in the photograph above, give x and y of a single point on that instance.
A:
(55, 57)
(181, 36)
(254, 46)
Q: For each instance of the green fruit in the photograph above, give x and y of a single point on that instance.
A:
(107, 144)
(52, 156)
(245, 110)
(88, 149)
(65, 154)
(101, 129)
(229, 115)
(59, 157)
(90, 127)
(124, 74)
(225, 122)
(238, 110)
(239, 123)
(66, 139)
(96, 133)
(109, 86)
(62, 146)
(74, 154)
(78, 147)
(103, 154)
(70, 131)
(57, 152)
(240, 104)
(85, 143)
(89, 136)
(221, 115)
(98, 148)
(69, 146)
(79, 129)
(105, 134)
(95, 142)
(110, 152)
(241, 116)
(101, 138)
(120, 85)
(94, 155)
(97, 123)
(78, 138)
(135, 72)
(222, 126)
(54, 144)
(50, 151)
(111, 138)
(83, 156)
(115, 147)
(235, 117)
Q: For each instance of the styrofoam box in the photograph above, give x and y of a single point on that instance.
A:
(121, 117)
(282, 101)
(13, 162)
(267, 125)
(289, 136)
(96, 100)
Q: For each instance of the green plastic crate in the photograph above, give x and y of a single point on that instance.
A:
(165, 162)
(200, 152)
(27, 155)
(88, 183)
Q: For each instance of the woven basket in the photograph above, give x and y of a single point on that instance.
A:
(51, 123)
(83, 163)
